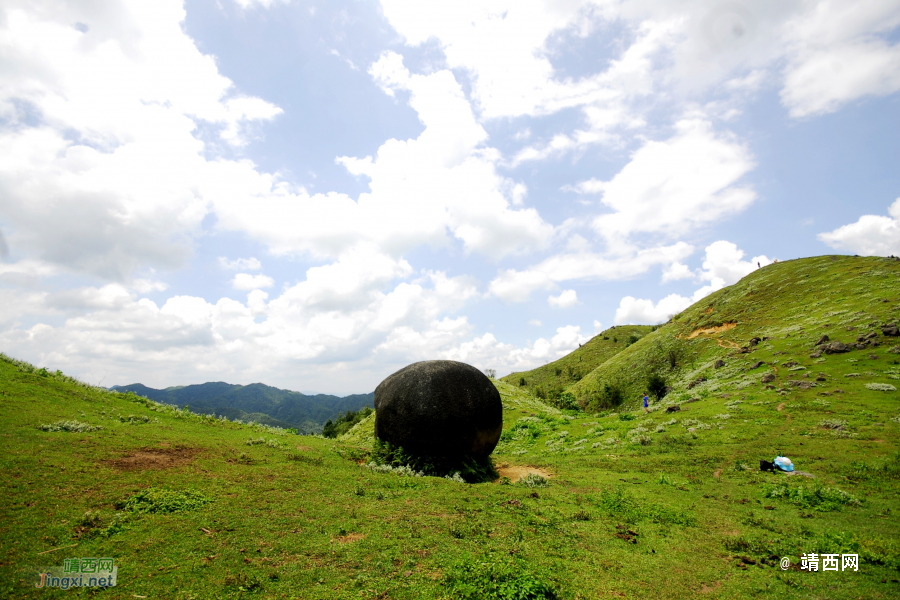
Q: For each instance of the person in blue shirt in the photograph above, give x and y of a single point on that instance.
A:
(646, 402)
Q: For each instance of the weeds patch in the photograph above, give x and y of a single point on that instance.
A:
(489, 580)
(162, 500)
(617, 503)
(822, 499)
(70, 426)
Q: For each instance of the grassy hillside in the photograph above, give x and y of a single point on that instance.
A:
(256, 402)
(789, 306)
(634, 505)
(553, 378)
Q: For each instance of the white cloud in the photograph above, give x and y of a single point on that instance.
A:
(144, 286)
(676, 271)
(245, 281)
(248, 4)
(598, 327)
(516, 286)
(420, 189)
(106, 151)
(487, 352)
(840, 52)
(722, 266)
(534, 322)
(566, 299)
(635, 311)
(240, 264)
(871, 235)
(671, 187)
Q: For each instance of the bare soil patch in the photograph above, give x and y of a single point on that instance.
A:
(154, 459)
(780, 407)
(516, 471)
(711, 330)
(350, 537)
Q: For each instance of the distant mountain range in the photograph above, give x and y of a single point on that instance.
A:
(256, 402)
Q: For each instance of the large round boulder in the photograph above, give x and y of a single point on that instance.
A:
(439, 408)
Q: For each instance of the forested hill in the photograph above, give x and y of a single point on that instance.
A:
(256, 402)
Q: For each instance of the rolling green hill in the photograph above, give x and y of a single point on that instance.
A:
(553, 378)
(256, 402)
(789, 306)
(664, 504)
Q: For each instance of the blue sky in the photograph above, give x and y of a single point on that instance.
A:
(314, 195)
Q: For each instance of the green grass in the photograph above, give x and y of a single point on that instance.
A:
(553, 378)
(196, 507)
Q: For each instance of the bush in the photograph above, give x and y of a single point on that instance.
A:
(488, 580)
(818, 498)
(344, 422)
(71, 426)
(609, 397)
(533, 480)
(566, 401)
(881, 387)
(656, 386)
(155, 500)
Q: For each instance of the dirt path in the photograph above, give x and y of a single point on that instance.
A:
(516, 471)
(711, 330)
(727, 344)
(780, 407)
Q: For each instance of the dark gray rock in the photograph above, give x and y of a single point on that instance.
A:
(816, 354)
(696, 382)
(768, 378)
(803, 385)
(757, 365)
(754, 341)
(790, 363)
(836, 348)
(823, 340)
(871, 335)
(439, 408)
(895, 350)
(861, 345)
(719, 364)
(672, 409)
(890, 329)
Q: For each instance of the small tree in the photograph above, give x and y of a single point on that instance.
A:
(656, 385)
(492, 373)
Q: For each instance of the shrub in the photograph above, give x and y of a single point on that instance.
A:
(161, 500)
(881, 387)
(641, 439)
(566, 401)
(656, 385)
(533, 480)
(471, 469)
(488, 580)
(71, 426)
(344, 422)
(609, 397)
(819, 498)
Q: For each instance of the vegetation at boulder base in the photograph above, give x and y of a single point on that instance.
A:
(665, 504)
